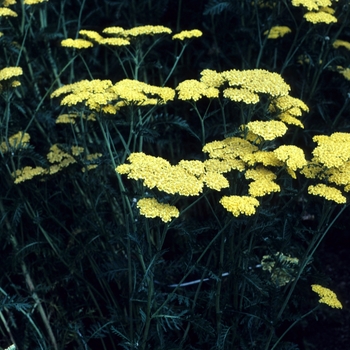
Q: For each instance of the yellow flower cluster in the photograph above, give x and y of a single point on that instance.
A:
(328, 192)
(187, 34)
(332, 151)
(288, 109)
(263, 187)
(277, 32)
(122, 36)
(238, 205)
(76, 43)
(327, 296)
(323, 13)
(268, 130)
(34, 2)
(5, 12)
(292, 156)
(194, 90)
(283, 272)
(103, 95)
(258, 81)
(180, 179)
(341, 43)
(151, 208)
(27, 173)
(16, 141)
(10, 72)
(320, 17)
(241, 95)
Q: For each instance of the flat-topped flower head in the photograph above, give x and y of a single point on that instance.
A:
(6, 12)
(238, 205)
(151, 208)
(193, 90)
(327, 296)
(241, 95)
(76, 43)
(113, 30)
(91, 34)
(263, 187)
(258, 81)
(333, 150)
(10, 72)
(320, 17)
(327, 192)
(268, 130)
(277, 32)
(157, 172)
(341, 43)
(291, 155)
(211, 78)
(188, 34)
(312, 4)
(145, 30)
(34, 2)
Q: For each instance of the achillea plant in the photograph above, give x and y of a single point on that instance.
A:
(176, 183)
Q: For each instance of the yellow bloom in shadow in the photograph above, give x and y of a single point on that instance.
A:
(327, 296)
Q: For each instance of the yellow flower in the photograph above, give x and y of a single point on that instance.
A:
(258, 81)
(135, 91)
(320, 17)
(260, 173)
(145, 30)
(289, 104)
(345, 72)
(241, 95)
(27, 173)
(7, 3)
(265, 157)
(262, 187)
(217, 165)
(277, 32)
(76, 150)
(92, 35)
(229, 149)
(115, 41)
(332, 151)
(215, 180)
(34, 2)
(10, 72)
(187, 34)
(76, 43)
(151, 208)
(240, 205)
(193, 167)
(330, 193)
(211, 78)
(341, 43)
(194, 90)
(4, 12)
(157, 172)
(341, 175)
(287, 118)
(293, 156)
(113, 30)
(313, 170)
(327, 296)
(312, 4)
(268, 130)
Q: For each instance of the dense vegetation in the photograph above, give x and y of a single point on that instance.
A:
(169, 170)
